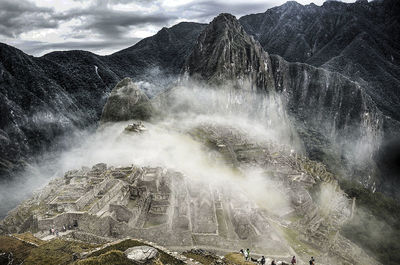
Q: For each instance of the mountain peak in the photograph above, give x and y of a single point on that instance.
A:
(224, 17)
(225, 52)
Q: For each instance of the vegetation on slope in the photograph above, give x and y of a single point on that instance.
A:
(19, 249)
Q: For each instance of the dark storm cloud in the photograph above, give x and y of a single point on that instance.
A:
(18, 16)
(111, 23)
(100, 27)
(206, 10)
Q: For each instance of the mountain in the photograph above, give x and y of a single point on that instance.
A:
(225, 52)
(330, 37)
(358, 40)
(218, 166)
(45, 98)
(330, 111)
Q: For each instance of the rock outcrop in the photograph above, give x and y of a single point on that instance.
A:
(126, 102)
(358, 40)
(141, 254)
(330, 112)
(225, 52)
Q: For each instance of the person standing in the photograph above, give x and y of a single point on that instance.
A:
(312, 261)
(248, 254)
(293, 260)
(262, 261)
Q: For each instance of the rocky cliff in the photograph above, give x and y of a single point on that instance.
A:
(331, 112)
(69, 88)
(46, 98)
(358, 40)
(224, 52)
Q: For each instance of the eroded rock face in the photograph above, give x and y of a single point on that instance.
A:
(126, 102)
(330, 112)
(141, 254)
(43, 98)
(225, 52)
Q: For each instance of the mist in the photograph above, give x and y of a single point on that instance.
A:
(167, 142)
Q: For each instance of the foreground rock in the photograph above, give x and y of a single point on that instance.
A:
(142, 254)
(126, 102)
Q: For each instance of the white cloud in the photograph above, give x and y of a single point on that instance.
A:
(50, 24)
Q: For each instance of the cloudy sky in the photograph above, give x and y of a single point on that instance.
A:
(106, 26)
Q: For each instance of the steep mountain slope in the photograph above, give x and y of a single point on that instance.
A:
(166, 50)
(225, 52)
(46, 97)
(330, 111)
(359, 40)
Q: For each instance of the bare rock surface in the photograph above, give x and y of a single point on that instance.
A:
(141, 254)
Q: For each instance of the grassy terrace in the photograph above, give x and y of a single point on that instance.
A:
(56, 251)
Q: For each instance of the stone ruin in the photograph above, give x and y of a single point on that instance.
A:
(179, 212)
(157, 205)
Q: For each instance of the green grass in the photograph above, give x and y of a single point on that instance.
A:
(222, 229)
(56, 251)
(300, 247)
(20, 250)
(237, 259)
(114, 257)
(29, 238)
(203, 259)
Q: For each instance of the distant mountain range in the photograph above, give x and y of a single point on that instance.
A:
(336, 65)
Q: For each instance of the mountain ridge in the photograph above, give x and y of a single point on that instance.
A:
(84, 79)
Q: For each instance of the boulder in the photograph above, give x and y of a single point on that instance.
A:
(100, 167)
(126, 102)
(141, 254)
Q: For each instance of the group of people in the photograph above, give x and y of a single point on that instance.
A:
(246, 255)
(53, 231)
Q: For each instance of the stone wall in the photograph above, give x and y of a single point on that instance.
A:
(60, 220)
(84, 200)
(117, 189)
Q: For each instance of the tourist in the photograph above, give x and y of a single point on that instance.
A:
(262, 261)
(312, 260)
(293, 260)
(64, 228)
(247, 254)
(273, 262)
(56, 232)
